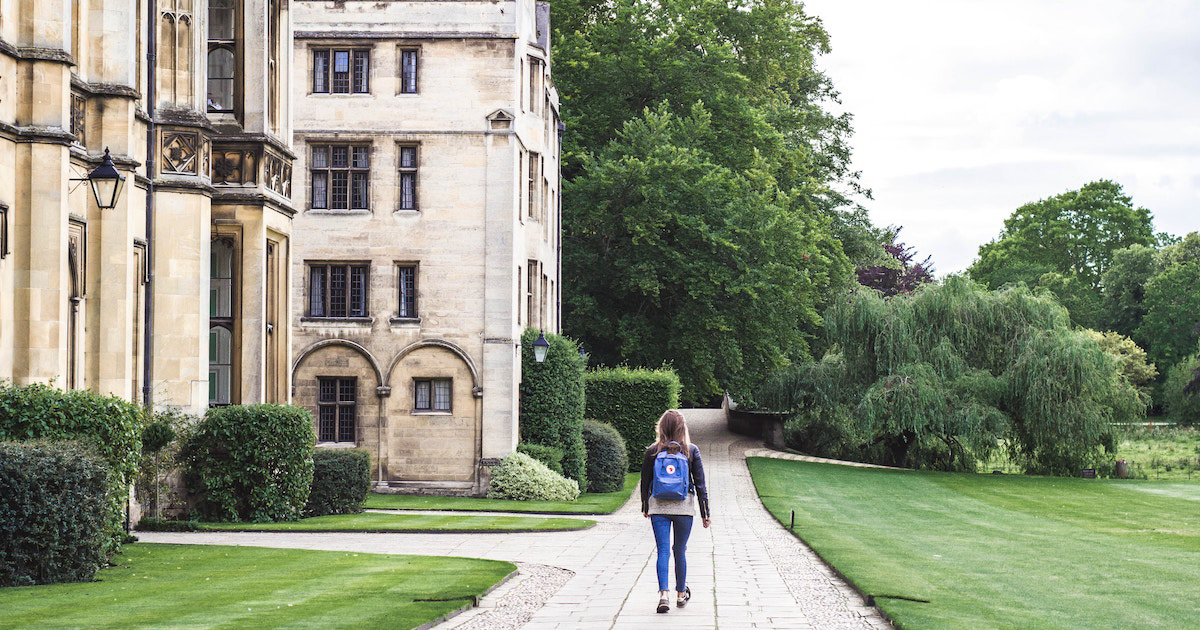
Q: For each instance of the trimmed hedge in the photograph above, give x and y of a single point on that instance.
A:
(250, 463)
(54, 512)
(631, 400)
(552, 401)
(549, 455)
(111, 426)
(520, 477)
(607, 459)
(341, 481)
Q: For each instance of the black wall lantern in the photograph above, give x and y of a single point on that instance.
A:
(540, 347)
(106, 183)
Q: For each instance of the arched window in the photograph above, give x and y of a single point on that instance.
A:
(222, 55)
(221, 322)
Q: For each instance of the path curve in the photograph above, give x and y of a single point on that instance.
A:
(746, 571)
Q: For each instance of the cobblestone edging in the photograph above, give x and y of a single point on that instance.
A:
(514, 603)
(821, 593)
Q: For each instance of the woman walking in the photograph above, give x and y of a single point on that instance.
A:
(672, 485)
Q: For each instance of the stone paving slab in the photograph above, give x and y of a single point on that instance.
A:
(746, 571)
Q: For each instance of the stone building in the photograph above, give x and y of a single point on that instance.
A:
(426, 235)
(179, 294)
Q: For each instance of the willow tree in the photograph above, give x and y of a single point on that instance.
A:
(940, 377)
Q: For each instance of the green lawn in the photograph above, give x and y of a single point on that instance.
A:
(587, 503)
(200, 586)
(384, 522)
(999, 551)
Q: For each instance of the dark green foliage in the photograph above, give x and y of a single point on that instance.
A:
(552, 401)
(341, 481)
(160, 525)
(551, 456)
(1171, 326)
(607, 459)
(706, 216)
(938, 378)
(1181, 405)
(250, 463)
(1125, 288)
(520, 477)
(157, 435)
(631, 400)
(110, 425)
(55, 517)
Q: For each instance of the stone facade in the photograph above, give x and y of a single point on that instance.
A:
(427, 232)
(87, 294)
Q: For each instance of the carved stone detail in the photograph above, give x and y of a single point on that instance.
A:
(279, 175)
(236, 167)
(180, 152)
(79, 117)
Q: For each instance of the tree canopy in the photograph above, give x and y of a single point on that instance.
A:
(897, 273)
(938, 378)
(691, 263)
(705, 186)
(1074, 234)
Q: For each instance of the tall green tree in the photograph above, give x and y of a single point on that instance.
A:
(679, 259)
(1073, 234)
(938, 378)
(1122, 303)
(706, 185)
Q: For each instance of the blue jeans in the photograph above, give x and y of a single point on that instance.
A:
(663, 524)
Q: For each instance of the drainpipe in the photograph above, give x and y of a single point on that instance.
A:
(562, 128)
(151, 107)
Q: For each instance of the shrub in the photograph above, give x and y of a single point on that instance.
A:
(341, 481)
(549, 455)
(552, 401)
(1183, 407)
(109, 425)
(162, 525)
(159, 448)
(522, 478)
(54, 512)
(823, 433)
(607, 460)
(631, 400)
(250, 463)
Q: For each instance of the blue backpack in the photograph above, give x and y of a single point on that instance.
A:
(671, 478)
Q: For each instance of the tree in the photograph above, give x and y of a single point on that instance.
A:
(1122, 302)
(897, 274)
(938, 378)
(705, 179)
(1081, 301)
(673, 257)
(1074, 234)
(1171, 326)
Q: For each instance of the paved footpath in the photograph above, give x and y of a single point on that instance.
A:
(746, 571)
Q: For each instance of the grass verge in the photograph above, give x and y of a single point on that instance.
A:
(941, 550)
(201, 586)
(383, 522)
(587, 503)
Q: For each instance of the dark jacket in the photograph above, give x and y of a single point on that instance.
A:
(695, 470)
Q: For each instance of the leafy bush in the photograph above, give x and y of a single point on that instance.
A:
(250, 463)
(161, 525)
(522, 478)
(631, 400)
(159, 448)
(54, 512)
(552, 401)
(549, 455)
(110, 425)
(821, 432)
(607, 460)
(341, 481)
(1183, 407)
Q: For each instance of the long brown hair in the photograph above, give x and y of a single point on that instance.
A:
(672, 428)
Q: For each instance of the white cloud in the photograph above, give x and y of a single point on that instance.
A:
(966, 109)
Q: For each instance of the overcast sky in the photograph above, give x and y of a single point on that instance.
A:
(966, 109)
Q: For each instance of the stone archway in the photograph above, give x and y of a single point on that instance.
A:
(434, 419)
